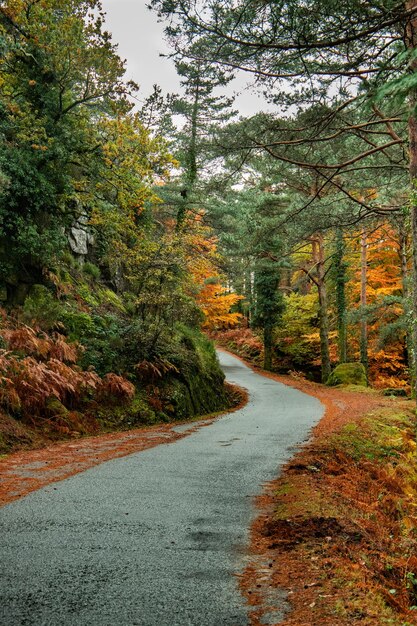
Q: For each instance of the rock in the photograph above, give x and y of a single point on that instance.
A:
(80, 236)
(348, 374)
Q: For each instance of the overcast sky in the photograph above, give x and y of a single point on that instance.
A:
(140, 40)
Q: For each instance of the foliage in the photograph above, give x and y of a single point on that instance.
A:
(115, 387)
(49, 99)
(36, 367)
(42, 307)
(385, 305)
(242, 341)
(91, 270)
(203, 260)
(125, 312)
(216, 304)
(333, 157)
(356, 483)
(297, 335)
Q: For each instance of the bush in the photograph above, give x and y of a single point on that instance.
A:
(91, 270)
(38, 376)
(116, 388)
(42, 308)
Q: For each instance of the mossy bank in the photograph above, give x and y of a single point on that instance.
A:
(79, 357)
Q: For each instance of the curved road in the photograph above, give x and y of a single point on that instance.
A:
(153, 538)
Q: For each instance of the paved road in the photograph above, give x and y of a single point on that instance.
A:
(152, 539)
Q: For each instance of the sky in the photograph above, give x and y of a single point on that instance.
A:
(140, 41)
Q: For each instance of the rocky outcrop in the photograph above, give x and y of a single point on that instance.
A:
(80, 237)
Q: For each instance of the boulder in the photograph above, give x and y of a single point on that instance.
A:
(55, 407)
(348, 374)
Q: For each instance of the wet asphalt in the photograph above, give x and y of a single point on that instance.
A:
(155, 538)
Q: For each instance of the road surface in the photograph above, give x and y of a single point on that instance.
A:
(154, 538)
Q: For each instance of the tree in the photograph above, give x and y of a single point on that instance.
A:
(318, 275)
(338, 273)
(59, 71)
(363, 303)
(252, 249)
(203, 110)
(356, 60)
(206, 281)
(374, 291)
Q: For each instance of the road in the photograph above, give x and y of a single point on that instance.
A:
(154, 538)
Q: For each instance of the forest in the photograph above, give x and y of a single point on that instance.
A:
(130, 233)
(138, 234)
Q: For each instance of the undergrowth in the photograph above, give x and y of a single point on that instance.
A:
(243, 342)
(78, 358)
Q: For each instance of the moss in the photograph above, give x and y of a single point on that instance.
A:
(375, 439)
(129, 415)
(88, 295)
(360, 389)
(109, 297)
(395, 391)
(55, 408)
(198, 388)
(348, 374)
(68, 259)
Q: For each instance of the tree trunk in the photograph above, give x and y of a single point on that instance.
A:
(405, 279)
(318, 259)
(340, 276)
(192, 154)
(248, 293)
(364, 322)
(191, 160)
(411, 42)
(268, 345)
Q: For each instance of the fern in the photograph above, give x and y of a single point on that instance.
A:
(115, 386)
(37, 367)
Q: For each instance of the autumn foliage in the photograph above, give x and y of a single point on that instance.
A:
(37, 368)
(206, 284)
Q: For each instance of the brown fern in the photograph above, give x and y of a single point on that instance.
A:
(152, 370)
(61, 350)
(115, 386)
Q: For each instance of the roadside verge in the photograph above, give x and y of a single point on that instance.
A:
(338, 529)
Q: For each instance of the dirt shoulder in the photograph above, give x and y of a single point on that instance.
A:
(338, 529)
(27, 470)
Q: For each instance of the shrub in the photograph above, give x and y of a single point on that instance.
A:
(42, 308)
(115, 387)
(91, 270)
(36, 367)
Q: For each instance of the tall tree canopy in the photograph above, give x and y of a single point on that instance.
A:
(341, 74)
(59, 72)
